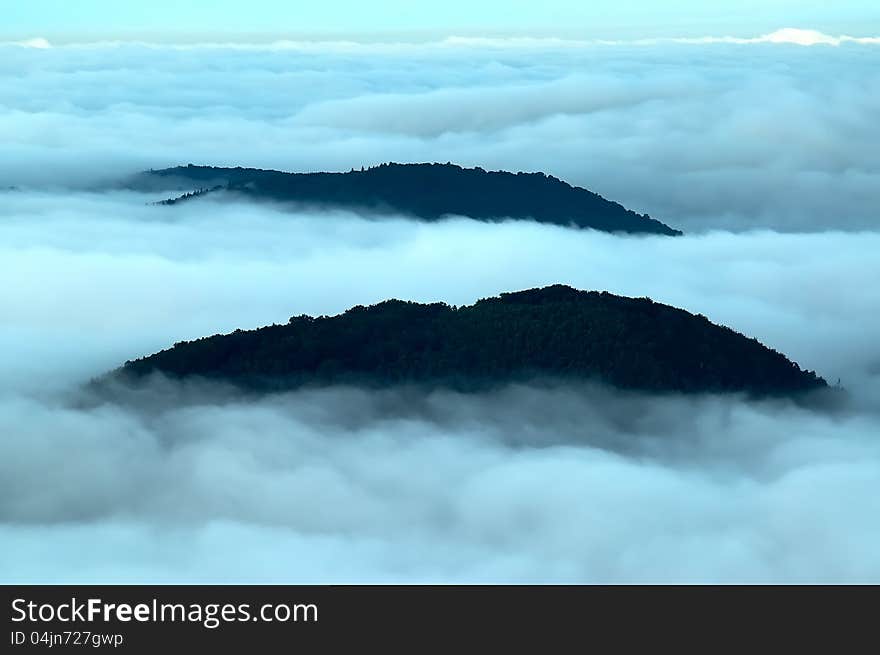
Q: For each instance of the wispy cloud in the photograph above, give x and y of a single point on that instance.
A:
(38, 42)
(788, 35)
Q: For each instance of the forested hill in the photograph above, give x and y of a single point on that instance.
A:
(425, 191)
(555, 332)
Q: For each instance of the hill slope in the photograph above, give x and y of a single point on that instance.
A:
(556, 332)
(425, 191)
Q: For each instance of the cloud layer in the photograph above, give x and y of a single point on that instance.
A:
(758, 133)
(134, 278)
(771, 141)
(524, 485)
(545, 483)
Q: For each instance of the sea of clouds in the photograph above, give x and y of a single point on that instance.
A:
(761, 151)
(719, 134)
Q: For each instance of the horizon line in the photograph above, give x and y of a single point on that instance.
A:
(783, 36)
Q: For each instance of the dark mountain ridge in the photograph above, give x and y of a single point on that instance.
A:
(425, 191)
(555, 332)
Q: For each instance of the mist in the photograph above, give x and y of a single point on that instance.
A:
(701, 134)
(760, 151)
(128, 279)
(543, 482)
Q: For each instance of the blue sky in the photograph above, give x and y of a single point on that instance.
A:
(199, 19)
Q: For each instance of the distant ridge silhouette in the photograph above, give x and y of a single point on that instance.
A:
(424, 191)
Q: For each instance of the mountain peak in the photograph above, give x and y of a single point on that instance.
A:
(553, 332)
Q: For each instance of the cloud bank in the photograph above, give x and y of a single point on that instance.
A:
(763, 151)
(701, 136)
(523, 485)
(536, 483)
(786, 35)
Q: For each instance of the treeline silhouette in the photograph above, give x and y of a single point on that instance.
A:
(190, 195)
(429, 192)
(554, 332)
